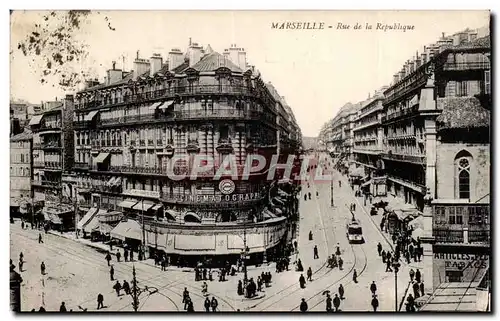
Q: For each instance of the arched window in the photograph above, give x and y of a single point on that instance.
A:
(463, 162)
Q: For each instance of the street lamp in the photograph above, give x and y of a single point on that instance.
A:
(331, 193)
(396, 266)
(136, 291)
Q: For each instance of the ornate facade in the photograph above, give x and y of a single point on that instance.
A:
(141, 135)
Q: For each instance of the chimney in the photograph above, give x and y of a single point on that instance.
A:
(175, 58)
(238, 56)
(114, 75)
(156, 61)
(194, 53)
(411, 67)
(140, 66)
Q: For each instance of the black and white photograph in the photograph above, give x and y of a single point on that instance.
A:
(250, 161)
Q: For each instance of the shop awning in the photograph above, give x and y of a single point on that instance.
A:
(101, 157)
(93, 224)
(110, 182)
(103, 228)
(143, 205)
(155, 105)
(416, 233)
(117, 181)
(283, 193)
(366, 183)
(129, 229)
(128, 203)
(402, 215)
(86, 218)
(171, 213)
(167, 104)
(54, 218)
(157, 207)
(91, 115)
(417, 222)
(35, 120)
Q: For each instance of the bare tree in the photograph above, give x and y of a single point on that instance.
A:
(57, 50)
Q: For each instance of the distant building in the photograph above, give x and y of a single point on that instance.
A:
(20, 171)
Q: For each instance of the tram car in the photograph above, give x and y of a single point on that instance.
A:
(355, 232)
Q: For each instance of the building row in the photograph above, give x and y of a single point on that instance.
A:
(423, 142)
(108, 154)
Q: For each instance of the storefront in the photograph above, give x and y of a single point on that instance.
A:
(459, 263)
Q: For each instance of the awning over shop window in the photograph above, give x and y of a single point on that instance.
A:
(283, 193)
(171, 213)
(103, 228)
(416, 233)
(111, 180)
(86, 218)
(93, 224)
(143, 205)
(101, 157)
(366, 183)
(53, 218)
(157, 207)
(167, 104)
(402, 215)
(129, 229)
(35, 120)
(117, 181)
(155, 105)
(128, 203)
(91, 115)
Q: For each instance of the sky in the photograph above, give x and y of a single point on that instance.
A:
(317, 71)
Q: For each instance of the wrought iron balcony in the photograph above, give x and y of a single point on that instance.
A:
(479, 234)
(52, 145)
(416, 159)
(81, 165)
(53, 165)
(50, 126)
(45, 183)
(470, 65)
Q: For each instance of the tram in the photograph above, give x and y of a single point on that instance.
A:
(355, 232)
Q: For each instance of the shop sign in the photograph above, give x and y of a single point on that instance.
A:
(227, 186)
(462, 261)
(218, 198)
(142, 193)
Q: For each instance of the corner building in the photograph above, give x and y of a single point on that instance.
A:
(129, 130)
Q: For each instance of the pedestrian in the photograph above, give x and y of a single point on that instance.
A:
(316, 256)
(379, 249)
(340, 183)
(240, 287)
(100, 301)
(62, 308)
(42, 268)
(214, 304)
(126, 287)
(112, 273)
(422, 289)
(338, 250)
(418, 276)
(207, 305)
(42, 309)
(416, 290)
(205, 274)
(303, 305)
(163, 264)
(328, 303)
(21, 256)
(388, 265)
(336, 302)
(21, 262)
(259, 284)
(411, 250)
(411, 302)
(117, 287)
(40, 238)
(185, 297)
(302, 281)
(310, 235)
(22, 224)
(374, 303)
(131, 256)
(412, 275)
(108, 258)
(300, 268)
(309, 194)
(355, 276)
(118, 255)
(305, 197)
(407, 256)
(341, 263)
(125, 255)
(190, 307)
(341, 292)
(204, 288)
(309, 274)
(373, 288)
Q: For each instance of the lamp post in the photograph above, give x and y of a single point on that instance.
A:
(143, 230)
(396, 266)
(331, 193)
(136, 291)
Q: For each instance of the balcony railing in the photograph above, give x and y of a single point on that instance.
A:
(46, 183)
(53, 165)
(446, 235)
(481, 65)
(176, 170)
(81, 165)
(417, 159)
(52, 145)
(56, 126)
(173, 92)
(479, 235)
(401, 113)
(108, 189)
